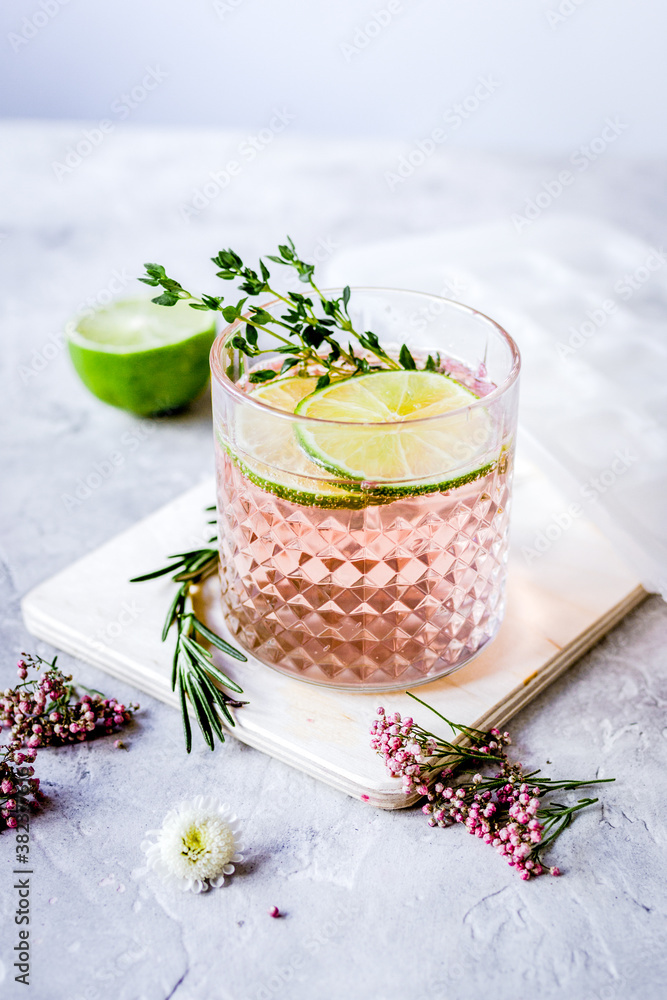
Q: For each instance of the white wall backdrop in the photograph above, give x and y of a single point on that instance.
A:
(527, 75)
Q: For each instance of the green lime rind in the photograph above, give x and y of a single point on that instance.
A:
(142, 357)
(267, 453)
(421, 489)
(387, 492)
(147, 382)
(324, 500)
(334, 498)
(282, 460)
(367, 457)
(390, 491)
(358, 496)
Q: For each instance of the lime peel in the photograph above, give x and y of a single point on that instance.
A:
(277, 455)
(266, 448)
(379, 433)
(142, 357)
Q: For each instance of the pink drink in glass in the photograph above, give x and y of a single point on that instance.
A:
(345, 585)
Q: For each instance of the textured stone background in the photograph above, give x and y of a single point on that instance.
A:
(377, 905)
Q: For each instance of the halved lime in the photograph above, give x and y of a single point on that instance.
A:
(266, 450)
(401, 453)
(143, 357)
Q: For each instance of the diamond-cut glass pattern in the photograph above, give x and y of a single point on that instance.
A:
(380, 597)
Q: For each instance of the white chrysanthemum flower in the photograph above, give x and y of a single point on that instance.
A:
(197, 844)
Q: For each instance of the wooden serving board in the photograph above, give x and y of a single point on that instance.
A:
(559, 604)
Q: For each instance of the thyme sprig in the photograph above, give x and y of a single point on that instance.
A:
(194, 674)
(306, 337)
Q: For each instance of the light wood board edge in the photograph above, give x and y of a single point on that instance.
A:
(390, 797)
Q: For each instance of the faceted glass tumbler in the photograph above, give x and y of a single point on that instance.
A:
(382, 584)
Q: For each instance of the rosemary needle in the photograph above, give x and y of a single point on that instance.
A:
(195, 676)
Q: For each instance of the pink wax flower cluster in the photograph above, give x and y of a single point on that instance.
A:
(17, 780)
(515, 836)
(405, 753)
(504, 809)
(45, 711)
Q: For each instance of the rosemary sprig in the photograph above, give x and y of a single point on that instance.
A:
(306, 338)
(194, 674)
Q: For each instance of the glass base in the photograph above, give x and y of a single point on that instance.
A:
(364, 687)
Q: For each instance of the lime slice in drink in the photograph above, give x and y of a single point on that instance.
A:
(143, 357)
(400, 453)
(285, 393)
(267, 451)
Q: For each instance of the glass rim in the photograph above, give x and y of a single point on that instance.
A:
(231, 388)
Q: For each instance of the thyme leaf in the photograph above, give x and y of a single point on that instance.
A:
(312, 327)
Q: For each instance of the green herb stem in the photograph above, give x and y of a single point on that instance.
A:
(307, 332)
(198, 680)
